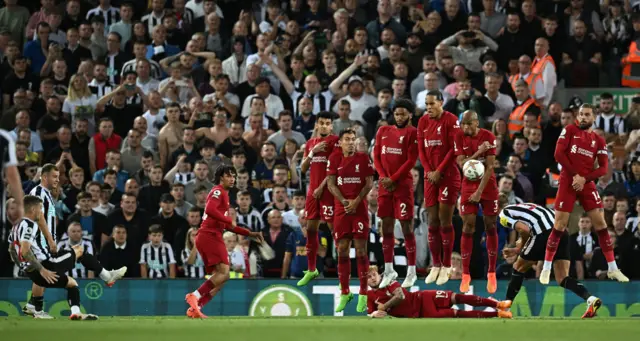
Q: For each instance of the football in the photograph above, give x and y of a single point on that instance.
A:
(473, 170)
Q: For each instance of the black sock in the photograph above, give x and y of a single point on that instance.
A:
(37, 302)
(575, 286)
(73, 296)
(514, 285)
(91, 263)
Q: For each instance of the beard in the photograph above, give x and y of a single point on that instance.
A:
(351, 54)
(403, 124)
(584, 126)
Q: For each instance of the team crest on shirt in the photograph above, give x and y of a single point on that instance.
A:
(357, 168)
(593, 143)
(401, 139)
(439, 130)
(384, 149)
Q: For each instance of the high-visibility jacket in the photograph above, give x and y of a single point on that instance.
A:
(553, 183)
(631, 67)
(531, 80)
(516, 119)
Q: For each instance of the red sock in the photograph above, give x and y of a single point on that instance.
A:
(448, 236)
(312, 249)
(475, 301)
(466, 248)
(606, 245)
(388, 242)
(435, 245)
(552, 244)
(492, 248)
(344, 271)
(205, 288)
(410, 247)
(204, 300)
(363, 270)
(476, 314)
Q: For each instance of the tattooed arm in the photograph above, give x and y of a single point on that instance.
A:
(28, 256)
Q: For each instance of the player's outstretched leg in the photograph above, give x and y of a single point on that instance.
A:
(604, 240)
(312, 253)
(73, 296)
(91, 263)
(483, 314)
(410, 247)
(344, 272)
(593, 303)
(492, 252)
(36, 303)
(388, 243)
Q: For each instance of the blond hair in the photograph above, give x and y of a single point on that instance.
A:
(187, 242)
(73, 94)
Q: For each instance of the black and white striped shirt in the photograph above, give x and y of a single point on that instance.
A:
(8, 152)
(49, 210)
(151, 20)
(157, 258)
(538, 218)
(155, 71)
(267, 194)
(26, 231)
(632, 224)
(193, 271)
(79, 271)
(252, 220)
(610, 123)
(111, 16)
(619, 176)
(100, 90)
(184, 178)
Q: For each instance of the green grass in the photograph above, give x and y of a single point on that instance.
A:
(316, 328)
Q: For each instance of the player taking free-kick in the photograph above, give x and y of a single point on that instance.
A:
(210, 244)
(319, 203)
(577, 150)
(474, 143)
(350, 180)
(397, 302)
(394, 154)
(436, 132)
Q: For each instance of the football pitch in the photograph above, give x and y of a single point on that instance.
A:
(316, 328)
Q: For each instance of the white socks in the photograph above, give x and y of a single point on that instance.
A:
(105, 275)
(613, 266)
(197, 294)
(388, 268)
(547, 265)
(411, 270)
(75, 310)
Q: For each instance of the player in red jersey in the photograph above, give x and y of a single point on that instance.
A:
(395, 301)
(209, 240)
(436, 131)
(319, 203)
(473, 143)
(350, 180)
(394, 154)
(577, 150)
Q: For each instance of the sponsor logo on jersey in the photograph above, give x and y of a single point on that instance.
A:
(432, 143)
(348, 180)
(577, 150)
(391, 150)
(319, 159)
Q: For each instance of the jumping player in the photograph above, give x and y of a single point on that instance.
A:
(209, 240)
(473, 143)
(319, 203)
(394, 154)
(350, 180)
(577, 150)
(436, 132)
(398, 302)
(534, 223)
(47, 271)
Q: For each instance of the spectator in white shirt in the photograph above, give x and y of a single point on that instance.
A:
(503, 103)
(292, 216)
(273, 103)
(22, 123)
(236, 257)
(360, 100)
(430, 84)
(266, 47)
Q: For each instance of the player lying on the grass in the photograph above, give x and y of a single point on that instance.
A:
(45, 270)
(209, 240)
(396, 301)
(534, 224)
(350, 180)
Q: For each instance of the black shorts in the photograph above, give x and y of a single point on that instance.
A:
(63, 262)
(536, 246)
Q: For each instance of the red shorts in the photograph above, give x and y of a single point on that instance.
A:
(397, 204)
(567, 196)
(321, 209)
(212, 250)
(445, 192)
(352, 226)
(488, 200)
(436, 304)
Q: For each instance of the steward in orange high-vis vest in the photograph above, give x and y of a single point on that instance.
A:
(631, 67)
(516, 119)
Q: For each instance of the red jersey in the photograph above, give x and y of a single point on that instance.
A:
(577, 150)
(395, 152)
(468, 145)
(216, 212)
(318, 166)
(351, 173)
(409, 307)
(435, 143)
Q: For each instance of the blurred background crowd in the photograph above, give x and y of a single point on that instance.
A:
(137, 102)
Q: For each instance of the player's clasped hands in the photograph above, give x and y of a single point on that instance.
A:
(578, 182)
(484, 147)
(317, 193)
(475, 197)
(388, 184)
(434, 176)
(320, 147)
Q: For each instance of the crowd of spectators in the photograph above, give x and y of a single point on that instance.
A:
(137, 103)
